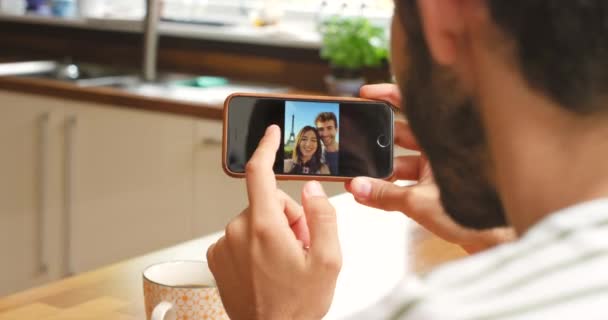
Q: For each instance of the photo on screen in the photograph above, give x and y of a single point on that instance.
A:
(311, 138)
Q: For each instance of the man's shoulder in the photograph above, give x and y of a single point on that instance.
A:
(557, 270)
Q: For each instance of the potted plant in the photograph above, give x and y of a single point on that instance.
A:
(351, 44)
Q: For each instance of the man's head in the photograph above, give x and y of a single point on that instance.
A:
(441, 50)
(327, 125)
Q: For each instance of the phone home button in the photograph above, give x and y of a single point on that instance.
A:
(383, 141)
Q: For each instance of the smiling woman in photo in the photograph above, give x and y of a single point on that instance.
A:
(306, 158)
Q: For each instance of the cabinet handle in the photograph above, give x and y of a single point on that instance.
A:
(43, 169)
(70, 136)
(211, 142)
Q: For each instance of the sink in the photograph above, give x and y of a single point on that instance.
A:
(204, 89)
(210, 90)
(26, 68)
(83, 75)
(212, 95)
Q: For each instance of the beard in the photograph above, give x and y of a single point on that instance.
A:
(448, 127)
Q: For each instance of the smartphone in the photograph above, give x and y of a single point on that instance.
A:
(322, 138)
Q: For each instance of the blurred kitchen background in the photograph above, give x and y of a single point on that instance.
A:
(110, 115)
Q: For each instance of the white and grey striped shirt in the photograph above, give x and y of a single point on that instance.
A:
(557, 270)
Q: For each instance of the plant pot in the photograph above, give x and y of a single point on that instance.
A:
(345, 87)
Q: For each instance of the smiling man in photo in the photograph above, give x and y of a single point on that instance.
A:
(327, 125)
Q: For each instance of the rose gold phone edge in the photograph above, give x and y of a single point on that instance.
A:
(279, 176)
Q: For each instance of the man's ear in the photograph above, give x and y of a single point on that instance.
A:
(443, 26)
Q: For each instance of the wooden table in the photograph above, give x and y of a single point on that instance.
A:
(115, 292)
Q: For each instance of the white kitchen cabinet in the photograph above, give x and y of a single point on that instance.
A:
(218, 197)
(84, 185)
(30, 207)
(130, 188)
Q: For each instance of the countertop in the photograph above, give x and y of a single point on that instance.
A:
(378, 248)
(111, 96)
(202, 103)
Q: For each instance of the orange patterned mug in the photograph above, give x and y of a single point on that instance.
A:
(181, 290)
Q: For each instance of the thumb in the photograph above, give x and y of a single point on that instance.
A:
(322, 225)
(379, 194)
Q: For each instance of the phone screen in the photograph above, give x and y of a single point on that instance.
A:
(321, 138)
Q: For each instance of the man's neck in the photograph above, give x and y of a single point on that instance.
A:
(544, 158)
(332, 147)
(552, 172)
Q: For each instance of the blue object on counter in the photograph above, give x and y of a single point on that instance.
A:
(63, 8)
(203, 82)
(34, 5)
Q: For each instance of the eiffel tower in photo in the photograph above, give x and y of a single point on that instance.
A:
(292, 136)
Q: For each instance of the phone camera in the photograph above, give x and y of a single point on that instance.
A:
(383, 141)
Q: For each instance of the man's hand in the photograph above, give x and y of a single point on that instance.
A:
(420, 201)
(277, 260)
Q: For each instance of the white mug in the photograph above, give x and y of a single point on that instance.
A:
(181, 290)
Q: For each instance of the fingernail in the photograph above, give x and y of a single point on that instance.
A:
(271, 128)
(268, 130)
(314, 189)
(361, 187)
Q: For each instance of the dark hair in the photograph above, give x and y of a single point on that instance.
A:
(327, 116)
(315, 162)
(560, 47)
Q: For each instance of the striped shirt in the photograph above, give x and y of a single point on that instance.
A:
(557, 270)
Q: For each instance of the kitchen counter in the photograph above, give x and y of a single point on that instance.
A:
(379, 248)
(179, 101)
(110, 96)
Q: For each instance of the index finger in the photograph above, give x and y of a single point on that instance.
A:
(385, 91)
(404, 137)
(261, 183)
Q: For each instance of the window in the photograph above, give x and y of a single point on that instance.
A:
(299, 19)
(239, 10)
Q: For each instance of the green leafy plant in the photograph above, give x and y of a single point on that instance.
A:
(353, 43)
